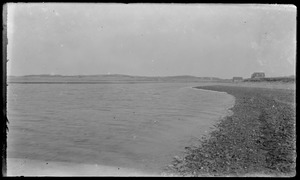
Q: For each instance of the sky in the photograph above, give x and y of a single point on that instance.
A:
(217, 40)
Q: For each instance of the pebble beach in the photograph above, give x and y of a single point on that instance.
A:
(257, 140)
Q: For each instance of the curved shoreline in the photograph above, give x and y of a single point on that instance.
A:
(258, 139)
(228, 108)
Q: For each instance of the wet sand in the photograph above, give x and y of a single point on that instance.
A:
(257, 140)
(25, 167)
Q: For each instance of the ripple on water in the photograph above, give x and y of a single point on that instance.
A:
(139, 126)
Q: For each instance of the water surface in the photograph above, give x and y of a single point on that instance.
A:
(140, 126)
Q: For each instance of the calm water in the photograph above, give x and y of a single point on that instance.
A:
(139, 126)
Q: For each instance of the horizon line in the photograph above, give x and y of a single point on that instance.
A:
(184, 75)
(110, 75)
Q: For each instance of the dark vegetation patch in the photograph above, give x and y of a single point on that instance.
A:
(271, 79)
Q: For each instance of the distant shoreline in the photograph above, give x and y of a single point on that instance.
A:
(107, 82)
(119, 78)
(107, 79)
(257, 140)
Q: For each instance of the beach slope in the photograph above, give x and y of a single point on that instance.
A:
(257, 140)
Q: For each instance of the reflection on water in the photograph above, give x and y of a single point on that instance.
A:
(139, 126)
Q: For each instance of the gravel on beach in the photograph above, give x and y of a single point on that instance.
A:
(258, 139)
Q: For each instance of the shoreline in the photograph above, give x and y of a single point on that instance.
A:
(17, 167)
(228, 150)
(257, 139)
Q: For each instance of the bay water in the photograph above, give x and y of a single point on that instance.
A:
(134, 125)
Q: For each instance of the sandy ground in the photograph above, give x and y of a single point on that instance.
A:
(269, 85)
(25, 167)
(258, 140)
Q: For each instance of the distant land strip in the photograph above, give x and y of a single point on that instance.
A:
(90, 82)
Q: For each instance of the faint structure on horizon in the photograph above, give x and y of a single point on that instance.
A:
(237, 79)
(257, 75)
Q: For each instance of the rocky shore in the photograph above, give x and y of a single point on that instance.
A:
(257, 140)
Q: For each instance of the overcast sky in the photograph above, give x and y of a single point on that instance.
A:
(151, 39)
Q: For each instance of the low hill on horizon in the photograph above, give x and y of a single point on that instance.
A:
(107, 75)
(107, 78)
